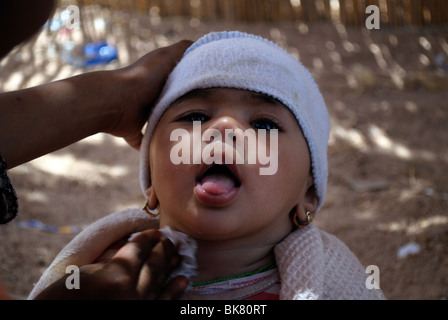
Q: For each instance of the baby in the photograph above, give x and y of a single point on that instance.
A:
(233, 98)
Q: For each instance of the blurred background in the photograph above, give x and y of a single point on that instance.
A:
(386, 90)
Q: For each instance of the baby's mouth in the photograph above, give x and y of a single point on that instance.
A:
(217, 185)
(218, 179)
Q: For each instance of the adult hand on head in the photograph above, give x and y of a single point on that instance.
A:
(146, 78)
(51, 116)
(139, 270)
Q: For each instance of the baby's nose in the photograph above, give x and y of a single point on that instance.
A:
(225, 126)
(221, 141)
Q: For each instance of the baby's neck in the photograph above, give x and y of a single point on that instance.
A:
(217, 260)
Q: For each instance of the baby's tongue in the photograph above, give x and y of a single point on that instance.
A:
(217, 183)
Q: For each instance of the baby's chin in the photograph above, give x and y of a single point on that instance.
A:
(209, 223)
(209, 230)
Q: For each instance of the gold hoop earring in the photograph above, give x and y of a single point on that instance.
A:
(152, 212)
(299, 224)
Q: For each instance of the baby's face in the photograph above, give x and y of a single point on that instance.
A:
(229, 200)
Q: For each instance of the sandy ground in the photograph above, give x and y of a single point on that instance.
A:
(388, 155)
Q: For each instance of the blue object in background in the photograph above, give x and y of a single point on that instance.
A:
(91, 54)
(35, 224)
(99, 53)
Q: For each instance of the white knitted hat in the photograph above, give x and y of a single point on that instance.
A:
(244, 61)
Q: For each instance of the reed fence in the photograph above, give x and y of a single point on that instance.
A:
(348, 12)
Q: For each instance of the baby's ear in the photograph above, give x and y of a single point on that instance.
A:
(306, 204)
(152, 197)
(311, 200)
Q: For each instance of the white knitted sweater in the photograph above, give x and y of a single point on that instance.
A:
(312, 263)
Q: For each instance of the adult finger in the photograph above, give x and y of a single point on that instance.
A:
(135, 141)
(175, 289)
(165, 57)
(163, 260)
(133, 255)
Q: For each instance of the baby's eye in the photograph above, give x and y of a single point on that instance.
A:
(265, 123)
(194, 116)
